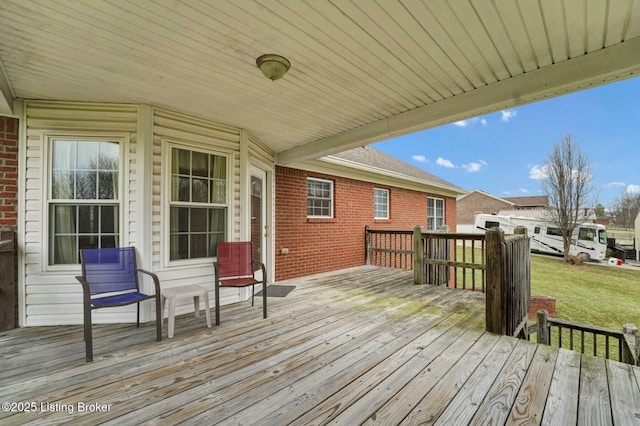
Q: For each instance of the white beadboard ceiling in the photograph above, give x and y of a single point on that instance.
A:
(362, 70)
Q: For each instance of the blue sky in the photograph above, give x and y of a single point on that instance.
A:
(502, 153)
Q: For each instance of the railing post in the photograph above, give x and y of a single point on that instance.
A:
(543, 327)
(630, 351)
(495, 303)
(367, 245)
(418, 256)
(8, 299)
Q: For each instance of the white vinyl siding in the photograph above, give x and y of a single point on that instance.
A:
(51, 292)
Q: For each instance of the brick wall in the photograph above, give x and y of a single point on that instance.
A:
(542, 302)
(320, 245)
(8, 172)
(476, 202)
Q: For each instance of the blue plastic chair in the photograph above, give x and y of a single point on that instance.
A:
(110, 278)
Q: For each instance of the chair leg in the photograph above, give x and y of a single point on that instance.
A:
(217, 297)
(264, 299)
(253, 293)
(159, 315)
(138, 314)
(88, 338)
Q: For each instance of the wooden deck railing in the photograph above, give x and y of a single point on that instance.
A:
(501, 263)
(508, 282)
(603, 342)
(390, 248)
(453, 259)
(499, 266)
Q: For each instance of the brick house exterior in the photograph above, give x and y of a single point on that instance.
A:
(306, 245)
(477, 202)
(8, 172)
(8, 221)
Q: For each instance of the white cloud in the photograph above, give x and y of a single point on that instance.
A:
(613, 184)
(444, 163)
(419, 158)
(633, 189)
(508, 114)
(538, 172)
(523, 190)
(465, 123)
(474, 166)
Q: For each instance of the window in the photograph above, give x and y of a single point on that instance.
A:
(319, 198)
(84, 199)
(380, 203)
(554, 231)
(587, 234)
(536, 230)
(602, 236)
(489, 224)
(198, 204)
(435, 213)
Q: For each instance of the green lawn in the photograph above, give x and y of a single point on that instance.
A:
(589, 294)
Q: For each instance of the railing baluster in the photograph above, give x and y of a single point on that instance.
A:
(571, 338)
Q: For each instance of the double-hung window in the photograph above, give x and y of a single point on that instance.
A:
(380, 203)
(198, 203)
(319, 198)
(84, 199)
(435, 213)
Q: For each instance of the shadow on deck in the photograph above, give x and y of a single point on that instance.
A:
(357, 346)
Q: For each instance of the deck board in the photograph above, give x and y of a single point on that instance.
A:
(360, 346)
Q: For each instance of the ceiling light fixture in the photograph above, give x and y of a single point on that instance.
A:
(273, 66)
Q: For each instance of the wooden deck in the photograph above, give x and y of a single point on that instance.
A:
(362, 346)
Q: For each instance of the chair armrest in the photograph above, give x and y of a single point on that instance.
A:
(86, 288)
(264, 273)
(156, 281)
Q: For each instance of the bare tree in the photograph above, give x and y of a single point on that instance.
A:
(625, 208)
(567, 182)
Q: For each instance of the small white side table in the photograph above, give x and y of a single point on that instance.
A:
(194, 291)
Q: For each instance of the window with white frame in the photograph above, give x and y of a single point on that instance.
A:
(380, 203)
(198, 203)
(435, 213)
(84, 198)
(319, 198)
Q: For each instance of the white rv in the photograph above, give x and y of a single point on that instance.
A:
(588, 239)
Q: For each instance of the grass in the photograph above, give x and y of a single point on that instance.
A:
(588, 294)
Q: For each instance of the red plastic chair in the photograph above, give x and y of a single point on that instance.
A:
(235, 268)
(110, 278)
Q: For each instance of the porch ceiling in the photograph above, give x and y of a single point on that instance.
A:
(362, 71)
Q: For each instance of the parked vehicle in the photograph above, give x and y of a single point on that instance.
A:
(588, 239)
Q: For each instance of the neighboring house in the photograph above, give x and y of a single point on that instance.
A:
(99, 171)
(323, 206)
(477, 201)
(536, 202)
